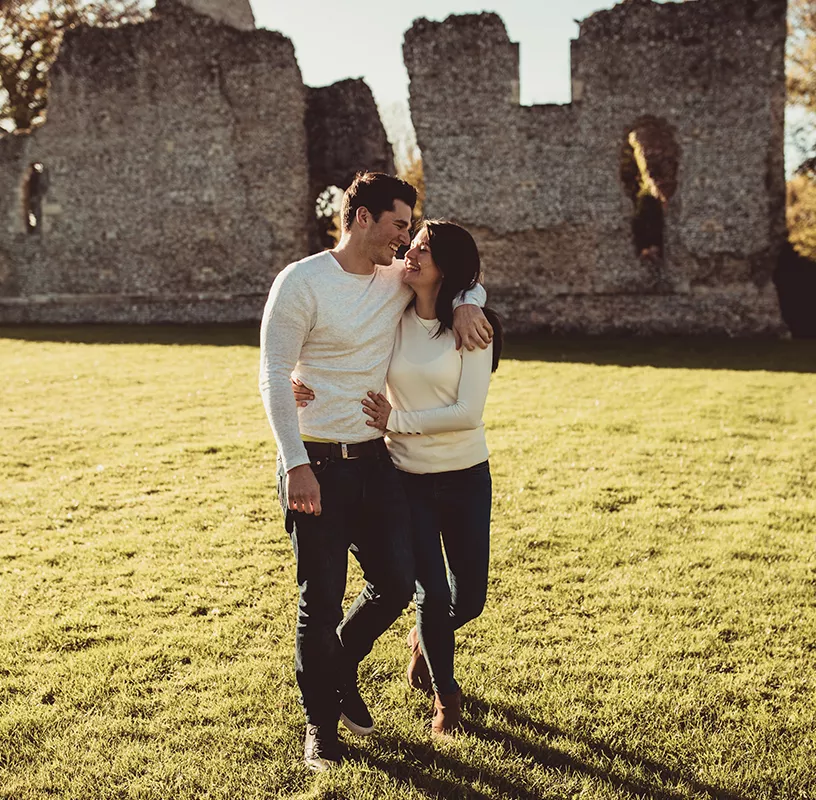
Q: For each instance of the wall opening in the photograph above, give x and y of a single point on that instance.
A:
(650, 161)
(36, 184)
(327, 217)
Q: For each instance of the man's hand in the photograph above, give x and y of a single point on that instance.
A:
(471, 328)
(303, 394)
(303, 490)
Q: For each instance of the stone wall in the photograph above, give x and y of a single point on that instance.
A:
(344, 131)
(175, 177)
(179, 166)
(541, 187)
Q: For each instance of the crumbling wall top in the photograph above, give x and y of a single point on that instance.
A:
(478, 27)
(236, 13)
(635, 20)
(467, 61)
(125, 53)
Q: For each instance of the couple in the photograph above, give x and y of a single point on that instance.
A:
(331, 324)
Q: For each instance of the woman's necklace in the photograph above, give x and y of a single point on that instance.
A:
(428, 324)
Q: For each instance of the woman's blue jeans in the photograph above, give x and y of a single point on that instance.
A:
(450, 508)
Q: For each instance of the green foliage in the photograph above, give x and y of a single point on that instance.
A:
(412, 171)
(801, 212)
(645, 182)
(648, 170)
(650, 159)
(30, 35)
(327, 217)
(650, 622)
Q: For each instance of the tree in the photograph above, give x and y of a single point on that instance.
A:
(396, 118)
(801, 77)
(30, 35)
(411, 170)
(801, 206)
(802, 209)
(802, 54)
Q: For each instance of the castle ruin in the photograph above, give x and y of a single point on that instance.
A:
(178, 170)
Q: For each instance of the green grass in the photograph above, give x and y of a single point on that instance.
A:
(651, 622)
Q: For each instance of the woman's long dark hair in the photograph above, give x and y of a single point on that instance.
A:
(455, 254)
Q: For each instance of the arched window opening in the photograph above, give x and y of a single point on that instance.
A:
(327, 217)
(650, 160)
(35, 187)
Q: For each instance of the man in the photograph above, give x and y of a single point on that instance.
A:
(331, 320)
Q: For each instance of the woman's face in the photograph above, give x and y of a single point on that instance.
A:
(420, 270)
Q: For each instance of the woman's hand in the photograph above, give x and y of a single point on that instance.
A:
(378, 408)
(303, 394)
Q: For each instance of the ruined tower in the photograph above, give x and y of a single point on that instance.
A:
(172, 179)
(553, 192)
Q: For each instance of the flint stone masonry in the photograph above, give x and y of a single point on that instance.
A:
(541, 186)
(176, 179)
(344, 130)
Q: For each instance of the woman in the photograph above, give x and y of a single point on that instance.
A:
(435, 435)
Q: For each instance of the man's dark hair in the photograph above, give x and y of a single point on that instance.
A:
(377, 192)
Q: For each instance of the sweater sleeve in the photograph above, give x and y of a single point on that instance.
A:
(477, 296)
(288, 317)
(466, 413)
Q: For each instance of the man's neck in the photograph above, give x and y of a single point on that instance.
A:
(350, 258)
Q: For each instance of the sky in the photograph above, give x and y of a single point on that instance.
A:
(336, 39)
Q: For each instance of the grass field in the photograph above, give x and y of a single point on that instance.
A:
(651, 622)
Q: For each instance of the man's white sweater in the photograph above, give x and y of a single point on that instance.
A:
(334, 330)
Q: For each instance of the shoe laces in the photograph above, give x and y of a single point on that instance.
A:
(322, 741)
(317, 743)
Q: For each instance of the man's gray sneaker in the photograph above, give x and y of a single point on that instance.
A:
(321, 750)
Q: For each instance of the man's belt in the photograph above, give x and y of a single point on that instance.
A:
(339, 450)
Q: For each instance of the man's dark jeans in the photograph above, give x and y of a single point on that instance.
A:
(451, 508)
(365, 511)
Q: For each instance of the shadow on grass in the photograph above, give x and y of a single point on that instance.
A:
(416, 763)
(682, 352)
(669, 352)
(214, 335)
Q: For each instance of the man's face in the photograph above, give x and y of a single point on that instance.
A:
(386, 235)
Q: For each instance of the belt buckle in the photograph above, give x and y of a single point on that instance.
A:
(344, 449)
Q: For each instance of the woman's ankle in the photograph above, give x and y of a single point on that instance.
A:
(446, 688)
